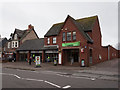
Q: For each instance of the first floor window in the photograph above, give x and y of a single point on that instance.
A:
(63, 38)
(8, 44)
(68, 36)
(54, 40)
(74, 35)
(14, 44)
(48, 40)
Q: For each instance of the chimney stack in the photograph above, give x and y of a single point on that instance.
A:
(30, 27)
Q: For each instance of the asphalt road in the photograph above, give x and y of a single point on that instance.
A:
(14, 78)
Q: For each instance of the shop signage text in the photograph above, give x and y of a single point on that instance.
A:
(71, 44)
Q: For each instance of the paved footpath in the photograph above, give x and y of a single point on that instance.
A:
(107, 70)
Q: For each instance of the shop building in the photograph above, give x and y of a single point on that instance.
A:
(30, 48)
(78, 42)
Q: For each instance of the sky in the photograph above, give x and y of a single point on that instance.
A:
(43, 14)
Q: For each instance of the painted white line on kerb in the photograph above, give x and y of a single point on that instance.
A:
(52, 84)
(65, 87)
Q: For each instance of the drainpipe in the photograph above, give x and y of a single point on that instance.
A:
(108, 53)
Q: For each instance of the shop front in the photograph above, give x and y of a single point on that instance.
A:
(71, 57)
(70, 52)
(51, 55)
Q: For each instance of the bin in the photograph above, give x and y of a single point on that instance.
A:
(82, 63)
(55, 62)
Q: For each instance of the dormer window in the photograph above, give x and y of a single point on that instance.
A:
(15, 37)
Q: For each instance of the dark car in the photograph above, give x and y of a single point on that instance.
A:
(10, 58)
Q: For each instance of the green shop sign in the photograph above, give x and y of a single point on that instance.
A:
(71, 44)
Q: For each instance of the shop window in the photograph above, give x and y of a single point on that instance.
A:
(74, 35)
(54, 40)
(48, 41)
(63, 36)
(68, 36)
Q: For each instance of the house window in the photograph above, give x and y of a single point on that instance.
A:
(54, 40)
(68, 36)
(63, 36)
(74, 35)
(48, 40)
(15, 37)
(8, 44)
(16, 44)
(12, 44)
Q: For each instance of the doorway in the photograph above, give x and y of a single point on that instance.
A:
(71, 56)
(90, 56)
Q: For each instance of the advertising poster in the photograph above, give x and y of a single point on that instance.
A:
(37, 60)
(59, 58)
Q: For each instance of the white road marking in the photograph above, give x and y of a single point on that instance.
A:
(32, 79)
(53, 84)
(68, 86)
(17, 76)
(93, 79)
(36, 80)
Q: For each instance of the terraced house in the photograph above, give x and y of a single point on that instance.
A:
(77, 42)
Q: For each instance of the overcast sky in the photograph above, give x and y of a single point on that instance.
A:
(42, 15)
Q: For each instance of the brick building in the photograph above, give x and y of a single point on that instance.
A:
(77, 42)
(72, 42)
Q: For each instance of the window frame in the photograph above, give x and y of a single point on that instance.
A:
(69, 36)
(48, 40)
(74, 35)
(8, 44)
(54, 40)
(63, 37)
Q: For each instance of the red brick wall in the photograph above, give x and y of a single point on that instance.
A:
(118, 53)
(113, 53)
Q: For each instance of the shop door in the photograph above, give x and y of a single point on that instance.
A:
(90, 57)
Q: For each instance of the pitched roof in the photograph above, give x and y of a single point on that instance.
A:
(3, 41)
(20, 33)
(34, 44)
(84, 25)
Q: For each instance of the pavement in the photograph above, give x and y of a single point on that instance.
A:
(107, 70)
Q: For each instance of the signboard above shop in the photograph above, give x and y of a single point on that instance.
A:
(71, 44)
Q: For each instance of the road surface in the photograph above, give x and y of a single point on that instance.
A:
(15, 78)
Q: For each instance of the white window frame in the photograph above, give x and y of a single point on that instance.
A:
(48, 40)
(54, 40)
(15, 36)
(8, 44)
(14, 44)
